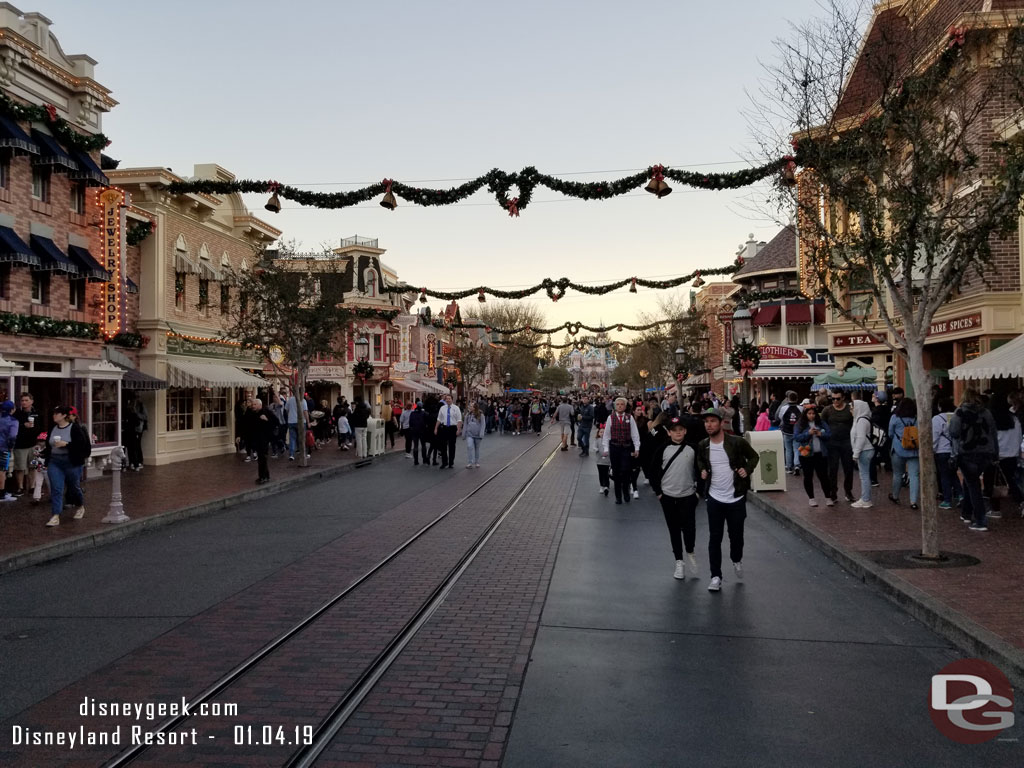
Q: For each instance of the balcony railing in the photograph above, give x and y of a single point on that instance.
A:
(356, 240)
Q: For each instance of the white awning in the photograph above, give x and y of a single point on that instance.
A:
(1006, 361)
(806, 371)
(194, 373)
(407, 385)
(433, 386)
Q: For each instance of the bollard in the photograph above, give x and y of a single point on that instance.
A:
(116, 512)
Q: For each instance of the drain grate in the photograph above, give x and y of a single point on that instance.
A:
(911, 558)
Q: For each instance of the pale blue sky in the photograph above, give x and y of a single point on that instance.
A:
(327, 92)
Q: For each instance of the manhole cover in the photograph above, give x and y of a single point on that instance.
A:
(911, 558)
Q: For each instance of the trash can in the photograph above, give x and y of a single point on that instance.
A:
(374, 437)
(769, 474)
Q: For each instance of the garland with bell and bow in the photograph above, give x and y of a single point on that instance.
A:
(770, 295)
(499, 183)
(745, 358)
(581, 344)
(61, 128)
(572, 328)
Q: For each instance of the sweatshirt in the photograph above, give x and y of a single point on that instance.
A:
(862, 426)
(678, 480)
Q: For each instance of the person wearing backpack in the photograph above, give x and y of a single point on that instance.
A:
(864, 441)
(788, 415)
(1008, 440)
(942, 446)
(8, 438)
(972, 433)
(904, 437)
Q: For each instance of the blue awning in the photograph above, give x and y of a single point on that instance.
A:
(53, 259)
(52, 153)
(129, 286)
(88, 267)
(14, 251)
(88, 171)
(13, 136)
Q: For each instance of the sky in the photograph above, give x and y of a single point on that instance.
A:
(336, 95)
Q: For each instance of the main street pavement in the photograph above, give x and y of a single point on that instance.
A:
(566, 641)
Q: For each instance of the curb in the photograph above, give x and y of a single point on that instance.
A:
(119, 531)
(963, 632)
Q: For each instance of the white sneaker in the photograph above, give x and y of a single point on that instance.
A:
(248, 458)
(812, 502)
(865, 505)
(715, 585)
(9, 497)
(600, 489)
(738, 567)
(79, 513)
(679, 574)
(829, 503)
(54, 520)
(692, 560)
(636, 494)
(858, 504)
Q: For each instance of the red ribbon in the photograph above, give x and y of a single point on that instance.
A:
(957, 35)
(513, 206)
(273, 187)
(51, 113)
(387, 185)
(747, 367)
(659, 172)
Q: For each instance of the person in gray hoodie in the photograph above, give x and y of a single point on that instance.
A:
(473, 429)
(672, 475)
(863, 440)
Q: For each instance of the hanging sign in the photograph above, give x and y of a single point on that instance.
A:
(111, 202)
(431, 356)
(404, 323)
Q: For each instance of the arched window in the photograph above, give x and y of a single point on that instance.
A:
(370, 279)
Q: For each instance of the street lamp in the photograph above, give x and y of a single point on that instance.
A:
(508, 380)
(362, 348)
(643, 377)
(680, 356)
(742, 331)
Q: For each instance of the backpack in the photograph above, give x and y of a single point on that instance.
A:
(788, 417)
(874, 436)
(909, 440)
(973, 431)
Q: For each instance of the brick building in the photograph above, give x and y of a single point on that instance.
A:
(714, 305)
(63, 292)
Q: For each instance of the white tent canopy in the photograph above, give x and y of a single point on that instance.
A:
(1006, 361)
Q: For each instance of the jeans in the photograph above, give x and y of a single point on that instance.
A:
(973, 504)
(720, 515)
(815, 464)
(948, 481)
(63, 474)
(789, 452)
(680, 517)
(841, 453)
(910, 466)
(583, 438)
(473, 450)
(864, 466)
(293, 439)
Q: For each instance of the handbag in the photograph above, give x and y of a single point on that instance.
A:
(1000, 488)
(804, 450)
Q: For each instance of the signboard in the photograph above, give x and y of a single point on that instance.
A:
(176, 345)
(111, 202)
(955, 325)
(404, 323)
(431, 356)
(327, 372)
(775, 352)
(856, 340)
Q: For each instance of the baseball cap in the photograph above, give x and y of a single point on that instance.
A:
(73, 411)
(806, 401)
(674, 422)
(881, 395)
(7, 406)
(714, 413)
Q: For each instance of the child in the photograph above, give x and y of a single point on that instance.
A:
(672, 479)
(37, 466)
(344, 433)
(603, 465)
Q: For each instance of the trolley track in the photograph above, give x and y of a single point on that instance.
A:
(375, 669)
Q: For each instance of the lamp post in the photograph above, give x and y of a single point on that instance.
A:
(508, 381)
(362, 347)
(742, 331)
(643, 379)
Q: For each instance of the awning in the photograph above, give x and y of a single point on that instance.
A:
(206, 272)
(139, 381)
(13, 137)
(130, 286)
(88, 267)
(1005, 362)
(405, 385)
(798, 314)
(14, 251)
(51, 257)
(52, 153)
(433, 386)
(193, 373)
(768, 371)
(183, 263)
(697, 380)
(819, 314)
(88, 171)
(767, 316)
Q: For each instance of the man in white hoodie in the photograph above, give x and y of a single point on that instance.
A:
(863, 440)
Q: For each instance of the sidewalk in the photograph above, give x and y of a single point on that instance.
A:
(155, 497)
(975, 606)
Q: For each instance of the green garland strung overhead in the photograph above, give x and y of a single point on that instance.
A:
(575, 344)
(499, 183)
(571, 327)
(62, 130)
(770, 295)
(556, 289)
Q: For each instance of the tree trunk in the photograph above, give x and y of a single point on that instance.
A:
(922, 382)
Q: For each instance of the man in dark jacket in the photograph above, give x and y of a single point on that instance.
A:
(417, 425)
(726, 463)
(358, 420)
(260, 427)
(972, 434)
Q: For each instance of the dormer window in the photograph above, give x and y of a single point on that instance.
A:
(370, 280)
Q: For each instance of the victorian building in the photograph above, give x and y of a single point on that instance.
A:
(591, 364)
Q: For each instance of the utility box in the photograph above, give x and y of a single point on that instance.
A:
(769, 475)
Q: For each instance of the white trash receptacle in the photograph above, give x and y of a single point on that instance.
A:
(769, 475)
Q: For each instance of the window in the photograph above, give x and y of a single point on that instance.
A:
(861, 304)
(370, 278)
(204, 295)
(225, 298)
(76, 293)
(213, 408)
(5, 281)
(40, 287)
(41, 184)
(767, 285)
(5, 173)
(378, 347)
(797, 335)
(179, 409)
(179, 291)
(77, 203)
(105, 423)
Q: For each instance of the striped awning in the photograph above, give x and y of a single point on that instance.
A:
(433, 386)
(88, 267)
(407, 385)
(1004, 362)
(51, 153)
(12, 137)
(697, 380)
(206, 272)
(182, 263)
(195, 373)
(139, 381)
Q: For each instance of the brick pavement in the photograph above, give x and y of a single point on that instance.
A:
(977, 606)
(301, 683)
(155, 496)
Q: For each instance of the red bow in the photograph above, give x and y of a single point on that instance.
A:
(387, 185)
(51, 113)
(659, 172)
(957, 36)
(747, 367)
(513, 206)
(273, 186)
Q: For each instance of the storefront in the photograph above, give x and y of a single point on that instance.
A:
(784, 368)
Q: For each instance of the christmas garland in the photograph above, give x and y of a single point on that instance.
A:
(556, 289)
(745, 357)
(363, 369)
(139, 232)
(128, 340)
(572, 328)
(35, 325)
(62, 130)
(771, 295)
(499, 183)
(575, 344)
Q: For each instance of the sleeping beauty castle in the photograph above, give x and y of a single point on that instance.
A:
(591, 367)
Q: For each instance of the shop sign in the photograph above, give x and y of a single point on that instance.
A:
(774, 352)
(112, 213)
(327, 372)
(404, 323)
(856, 340)
(431, 355)
(956, 325)
(176, 345)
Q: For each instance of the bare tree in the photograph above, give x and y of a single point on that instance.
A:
(908, 190)
(520, 363)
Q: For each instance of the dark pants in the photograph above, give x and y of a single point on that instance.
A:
(583, 438)
(412, 441)
(816, 464)
(680, 517)
(408, 441)
(720, 515)
(602, 474)
(133, 446)
(446, 444)
(536, 419)
(572, 431)
(620, 458)
(1009, 468)
(973, 505)
(842, 453)
(261, 461)
(948, 481)
(428, 442)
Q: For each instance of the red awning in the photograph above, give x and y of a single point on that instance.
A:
(819, 314)
(767, 316)
(798, 314)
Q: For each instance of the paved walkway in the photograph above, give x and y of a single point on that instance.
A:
(155, 496)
